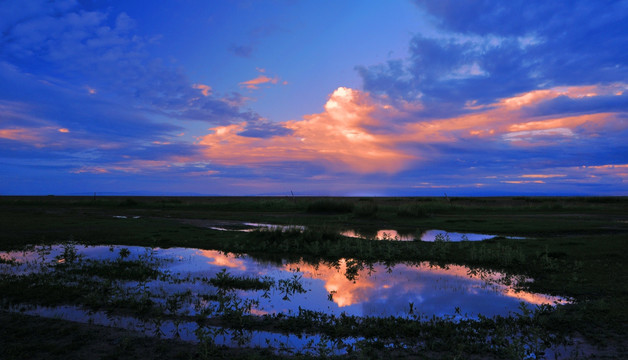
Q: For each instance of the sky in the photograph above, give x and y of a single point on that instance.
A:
(342, 98)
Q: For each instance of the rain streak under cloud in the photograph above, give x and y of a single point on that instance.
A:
(321, 98)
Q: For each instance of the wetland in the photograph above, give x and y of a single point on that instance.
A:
(211, 277)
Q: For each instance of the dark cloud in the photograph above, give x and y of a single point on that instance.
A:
(586, 105)
(489, 49)
(513, 18)
(265, 129)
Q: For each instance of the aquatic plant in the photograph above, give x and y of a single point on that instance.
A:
(292, 285)
(225, 280)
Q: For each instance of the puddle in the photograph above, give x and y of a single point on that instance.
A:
(434, 235)
(429, 235)
(193, 332)
(385, 234)
(392, 235)
(224, 225)
(348, 287)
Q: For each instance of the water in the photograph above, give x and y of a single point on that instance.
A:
(189, 331)
(429, 235)
(347, 286)
(384, 234)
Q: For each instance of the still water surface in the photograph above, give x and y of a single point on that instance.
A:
(346, 286)
(409, 290)
(383, 234)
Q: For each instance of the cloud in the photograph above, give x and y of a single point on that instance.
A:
(19, 135)
(486, 50)
(254, 84)
(496, 97)
(361, 133)
(82, 94)
(74, 46)
(338, 139)
(205, 89)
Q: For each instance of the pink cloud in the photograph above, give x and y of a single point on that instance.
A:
(25, 135)
(90, 170)
(361, 133)
(205, 89)
(543, 176)
(338, 138)
(254, 84)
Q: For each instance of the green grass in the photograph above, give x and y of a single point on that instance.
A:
(574, 246)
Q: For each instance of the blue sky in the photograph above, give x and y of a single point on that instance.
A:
(315, 97)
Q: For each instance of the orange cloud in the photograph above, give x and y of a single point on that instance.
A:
(64, 130)
(26, 135)
(542, 176)
(560, 123)
(506, 117)
(90, 170)
(364, 134)
(524, 182)
(205, 90)
(254, 84)
(337, 137)
(574, 92)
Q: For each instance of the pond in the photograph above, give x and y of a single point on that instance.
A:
(383, 234)
(196, 280)
(427, 235)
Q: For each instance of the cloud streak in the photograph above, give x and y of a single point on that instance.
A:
(490, 98)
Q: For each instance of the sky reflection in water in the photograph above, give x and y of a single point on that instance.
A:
(429, 235)
(384, 234)
(334, 288)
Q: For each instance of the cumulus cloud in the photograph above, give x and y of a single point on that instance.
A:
(337, 138)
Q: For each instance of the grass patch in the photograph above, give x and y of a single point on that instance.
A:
(330, 206)
(224, 280)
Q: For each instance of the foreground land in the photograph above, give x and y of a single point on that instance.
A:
(571, 247)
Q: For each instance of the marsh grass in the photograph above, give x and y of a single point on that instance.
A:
(330, 206)
(365, 209)
(575, 247)
(522, 335)
(224, 280)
